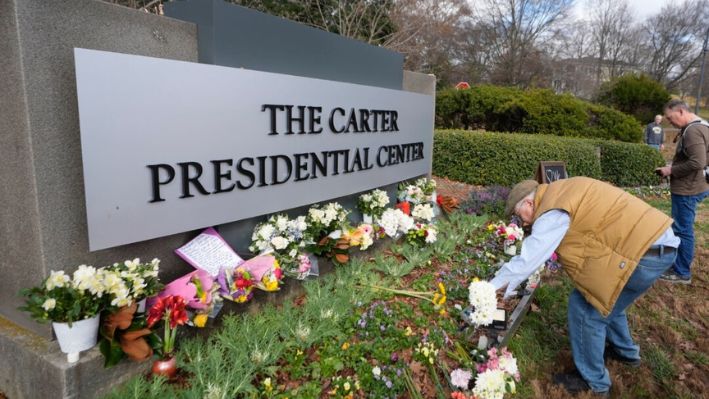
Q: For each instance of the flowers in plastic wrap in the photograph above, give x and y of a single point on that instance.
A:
(199, 291)
(483, 299)
(373, 203)
(511, 233)
(497, 375)
(394, 222)
(423, 212)
(285, 238)
(361, 236)
(265, 272)
(236, 285)
(421, 191)
(422, 234)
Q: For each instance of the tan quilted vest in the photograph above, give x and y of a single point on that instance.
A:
(610, 231)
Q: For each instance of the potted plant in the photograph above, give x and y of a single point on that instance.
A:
(141, 279)
(372, 205)
(72, 305)
(172, 311)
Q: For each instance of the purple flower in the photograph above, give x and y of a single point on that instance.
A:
(394, 357)
(389, 384)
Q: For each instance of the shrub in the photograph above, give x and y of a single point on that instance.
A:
(483, 158)
(625, 164)
(637, 95)
(492, 158)
(509, 109)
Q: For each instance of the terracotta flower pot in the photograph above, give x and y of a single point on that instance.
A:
(165, 367)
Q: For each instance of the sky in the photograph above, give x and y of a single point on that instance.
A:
(641, 8)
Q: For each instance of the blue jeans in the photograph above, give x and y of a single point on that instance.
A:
(589, 330)
(684, 210)
(655, 146)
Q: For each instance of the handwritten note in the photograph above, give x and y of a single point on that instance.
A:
(208, 251)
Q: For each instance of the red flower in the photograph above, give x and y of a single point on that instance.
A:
(172, 306)
(242, 282)
(404, 207)
(278, 273)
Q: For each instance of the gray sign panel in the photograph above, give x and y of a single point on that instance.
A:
(172, 146)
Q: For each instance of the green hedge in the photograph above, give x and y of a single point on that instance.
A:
(626, 164)
(508, 109)
(484, 158)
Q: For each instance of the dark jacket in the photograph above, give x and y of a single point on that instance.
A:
(690, 159)
(654, 134)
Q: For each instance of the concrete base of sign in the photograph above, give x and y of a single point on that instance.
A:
(43, 215)
(36, 368)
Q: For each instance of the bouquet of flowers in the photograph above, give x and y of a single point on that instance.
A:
(497, 376)
(236, 285)
(421, 191)
(362, 236)
(483, 299)
(511, 233)
(265, 272)
(284, 237)
(423, 212)
(411, 193)
(394, 222)
(373, 203)
(199, 292)
(422, 234)
(63, 299)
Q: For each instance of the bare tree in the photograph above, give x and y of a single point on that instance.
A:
(674, 38)
(516, 31)
(612, 27)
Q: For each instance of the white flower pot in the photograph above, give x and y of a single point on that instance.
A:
(434, 197)
(141, 305)
(80, 336)
(367, 218)
(511, 249)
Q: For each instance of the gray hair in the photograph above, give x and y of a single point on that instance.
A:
(675, 104)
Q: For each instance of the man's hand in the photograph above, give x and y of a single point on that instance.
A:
(664, 171)
(662, 147)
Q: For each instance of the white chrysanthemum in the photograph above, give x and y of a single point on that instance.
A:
(366, 197)
(49, 304)
(57, 280)
(279, 243)
(490, 384)
(484, 301)
(432, 235)
(377, 371)
(423, 212)
(121, 296)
